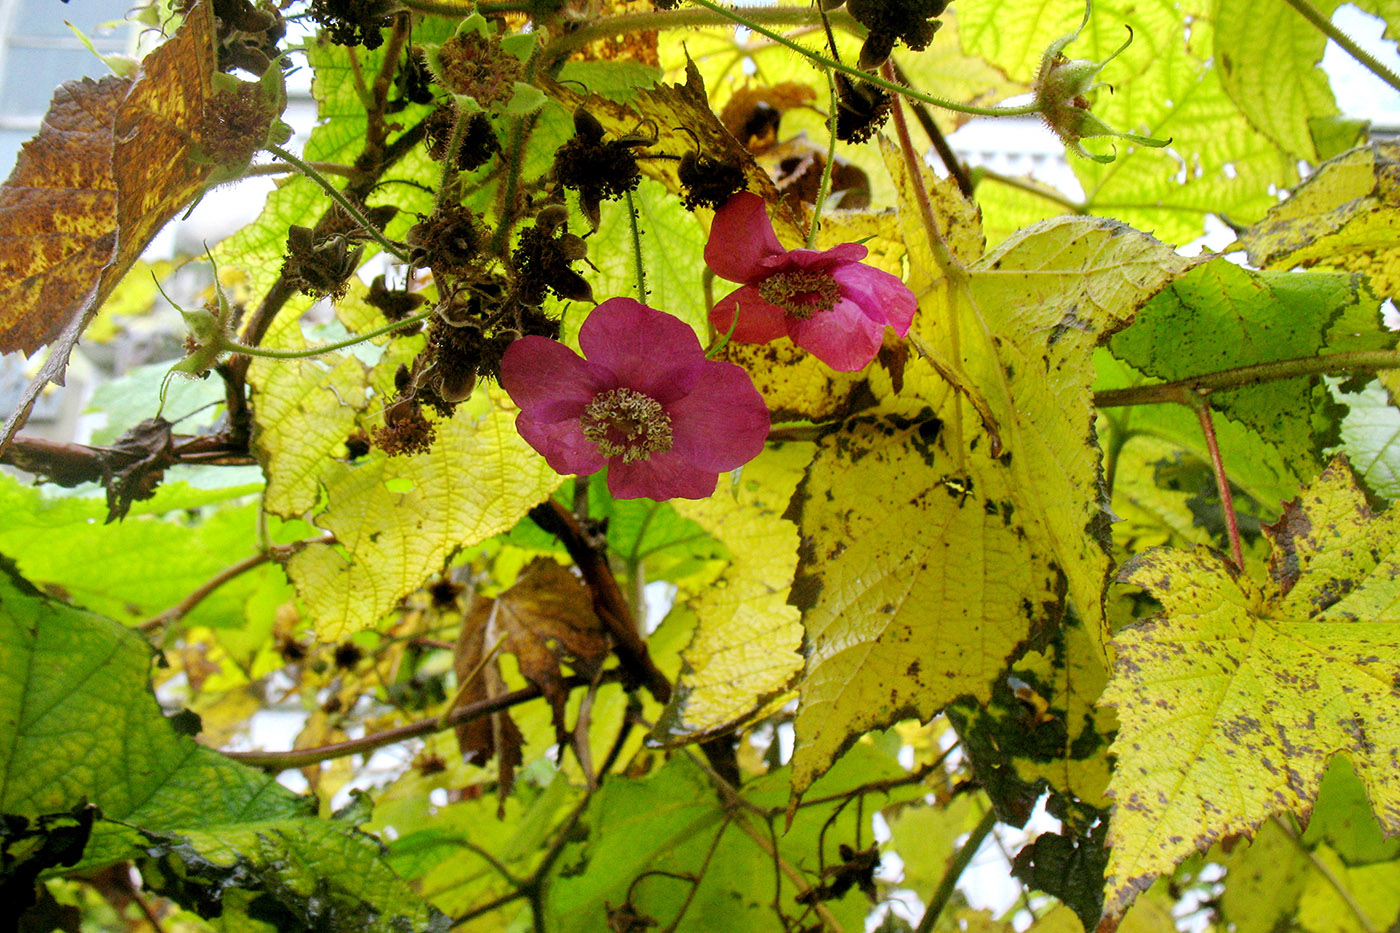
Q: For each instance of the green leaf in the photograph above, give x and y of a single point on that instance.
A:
(1267, 877)
(1166, 86)
(128, 570)
(1371, 434)
(1232, 701)
(78, 723)
(668, 821)
(1269, 58)
(1342, 217)
(1219, 316)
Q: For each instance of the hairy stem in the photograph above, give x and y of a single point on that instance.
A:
(1324, 25)
(1323, 869)
(1356, 361)
(1030, 187)
(687, 18)
(949, 884)
(821, 60)
(335, 195)
(637, 248)
(337, 345)
(824, 188)
(951, 162)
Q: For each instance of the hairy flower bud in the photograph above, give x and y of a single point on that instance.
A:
(1061, 89)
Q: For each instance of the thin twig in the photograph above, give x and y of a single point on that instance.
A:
(303, 757)
(951, 162)
(1326, 872)
(612, 607)
(949, 884)
(183, 607)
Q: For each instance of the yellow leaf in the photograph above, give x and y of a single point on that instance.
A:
(1232, 701)
(747, 641)
(478, 480)
(918, 579)
(1343, 217)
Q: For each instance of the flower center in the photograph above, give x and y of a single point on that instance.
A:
(801, 293)
(626, 424)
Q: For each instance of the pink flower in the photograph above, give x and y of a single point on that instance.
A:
(643, 401)
(830, 303)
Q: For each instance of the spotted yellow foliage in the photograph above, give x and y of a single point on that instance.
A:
(1344, 217)
(1233, 700)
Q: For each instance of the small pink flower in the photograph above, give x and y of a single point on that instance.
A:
(643, 401)
(830, 303)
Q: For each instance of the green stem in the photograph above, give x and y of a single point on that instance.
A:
(637, 249)
(628, 23)
(325, 168)
(339, 199)
(825, 187)
(328, 347)
(1324, 25)
(949, 884)
(505, 205)
(1356, 361)
(819, 59)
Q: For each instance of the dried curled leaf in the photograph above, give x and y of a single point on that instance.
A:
(113, 162)
(545, 618)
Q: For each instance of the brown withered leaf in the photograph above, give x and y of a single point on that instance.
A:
(129, 469)
(752, 113)
(546, 618)
(114, 160)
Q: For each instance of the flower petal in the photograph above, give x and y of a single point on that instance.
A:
(882, 296)
(759, 321)
(825, 260)
(647, 350)
(723, 423)
(562, 444)
(741, 237)
(844, 338)
(660, 476)
(548, 380)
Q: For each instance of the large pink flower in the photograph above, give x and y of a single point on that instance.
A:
(643, 401)
(830, 303)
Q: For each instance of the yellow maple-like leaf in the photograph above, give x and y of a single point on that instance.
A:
(917, 583)
(1343, 217)
(747, 641)
(1233, 700)
(398, 519)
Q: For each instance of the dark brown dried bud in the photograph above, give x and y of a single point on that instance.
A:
(891, 20)
(320, 266)
(861, 109)
(709, 182)
(353, 22)
(596, 168)
(394, 304)
(448, 241)
(541, 261)
(476, 66)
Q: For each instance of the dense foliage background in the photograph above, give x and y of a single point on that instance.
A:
(1102, 548)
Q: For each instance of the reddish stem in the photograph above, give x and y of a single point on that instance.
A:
(1222, 481)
